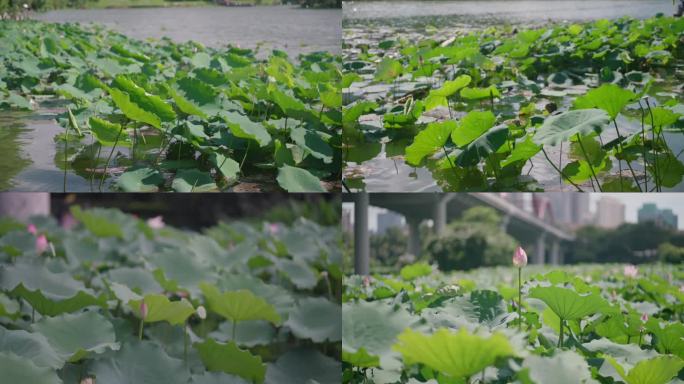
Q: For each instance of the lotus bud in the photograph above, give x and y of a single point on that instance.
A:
(644, 317)
(519, 257)
(87, 380)
(143, 310)
(630, 271)
(32, 229)
(156, 222)
(41, 244)
(366, 281)
(273, 229)
(68, 221)
(201, 312)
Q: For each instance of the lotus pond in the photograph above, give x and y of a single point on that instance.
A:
(162, 116)
(581, 324)
(590, 106)
(109, 298)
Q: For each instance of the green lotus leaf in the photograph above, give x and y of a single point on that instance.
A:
(670, 169)
(388, 70)
(101, 222)
(608, 97)
(180, 271)
(140, 180)
(629, 353)
(16, 369)
(361, 358)
(316, 318)
(483, 146)
(428, 141)
(523, 151)
(311, 141)
(195, 97)
(299, 273)
(480, 93)
(372, 327)
(140, 362)
(564, 367)
(458, 355)
(241, 126)
(230, 359)
(228, 167)
(144, 100)
(275, 295)
(568, 304)
(472, 126)
(107, 133)
(161, 309)
(132, 110)
(193, 180)
(48, 293)
(562, 127)
(216, 378)
(438, 97)
(8, 307)
(239, 305)
(31, 346)
(662, 117)
(670, 339)
(293, 179)
(79, 334)
(303, 366)
(416, 270)
(658, 370)
(351, 114)
(248, 333)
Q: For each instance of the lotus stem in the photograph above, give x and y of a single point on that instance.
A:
(520, 299)
(66, 154)
(234, 329)
(491, 99)
(560, 337)
(448, 159)
(560, 172)
(627, 161)
(560, 163)
(591, 166)
(185, 342)
(655, 156)
(641, 333)
(643, 146)
(245, 156)
(104, 174)
(140, 329)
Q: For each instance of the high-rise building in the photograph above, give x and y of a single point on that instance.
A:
(662, 217)
(387, 220)
(570, 209)
(610, 213)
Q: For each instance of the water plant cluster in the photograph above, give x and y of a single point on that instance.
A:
(595, 105)
(164, 116)
(574, 324)
(106, 297)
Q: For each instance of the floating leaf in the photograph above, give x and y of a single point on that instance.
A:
(317, 319)
(303, 366)
(140, 362)
(230, 359)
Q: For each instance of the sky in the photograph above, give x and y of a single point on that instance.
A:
(634, 201)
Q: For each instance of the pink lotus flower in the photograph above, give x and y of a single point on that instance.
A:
(143, 309)
(366, 281)
(68, 221)
(631, 271)
(41, 244)
(644, 317)
(88, 380)
(519, 257)
(274, 229)
(681, 289)
(32, 229)
(156, 222)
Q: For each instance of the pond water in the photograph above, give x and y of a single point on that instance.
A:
(379, 166)
(507, 10)
(291, 29)
(31, 159)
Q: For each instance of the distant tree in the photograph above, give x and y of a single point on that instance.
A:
(387, 248)
(475, 240)
(669, 253)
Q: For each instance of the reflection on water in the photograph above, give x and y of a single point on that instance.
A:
(292, 29)
(509, 11)
(12, 138)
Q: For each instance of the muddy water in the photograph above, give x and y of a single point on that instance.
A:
(508, 10)
(291, 29)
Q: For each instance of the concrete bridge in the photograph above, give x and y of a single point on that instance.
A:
(444, 207)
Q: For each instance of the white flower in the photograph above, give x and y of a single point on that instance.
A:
(201, 312)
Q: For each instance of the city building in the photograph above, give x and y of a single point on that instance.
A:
(649, 212)
(610, 213)
(570, 209)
